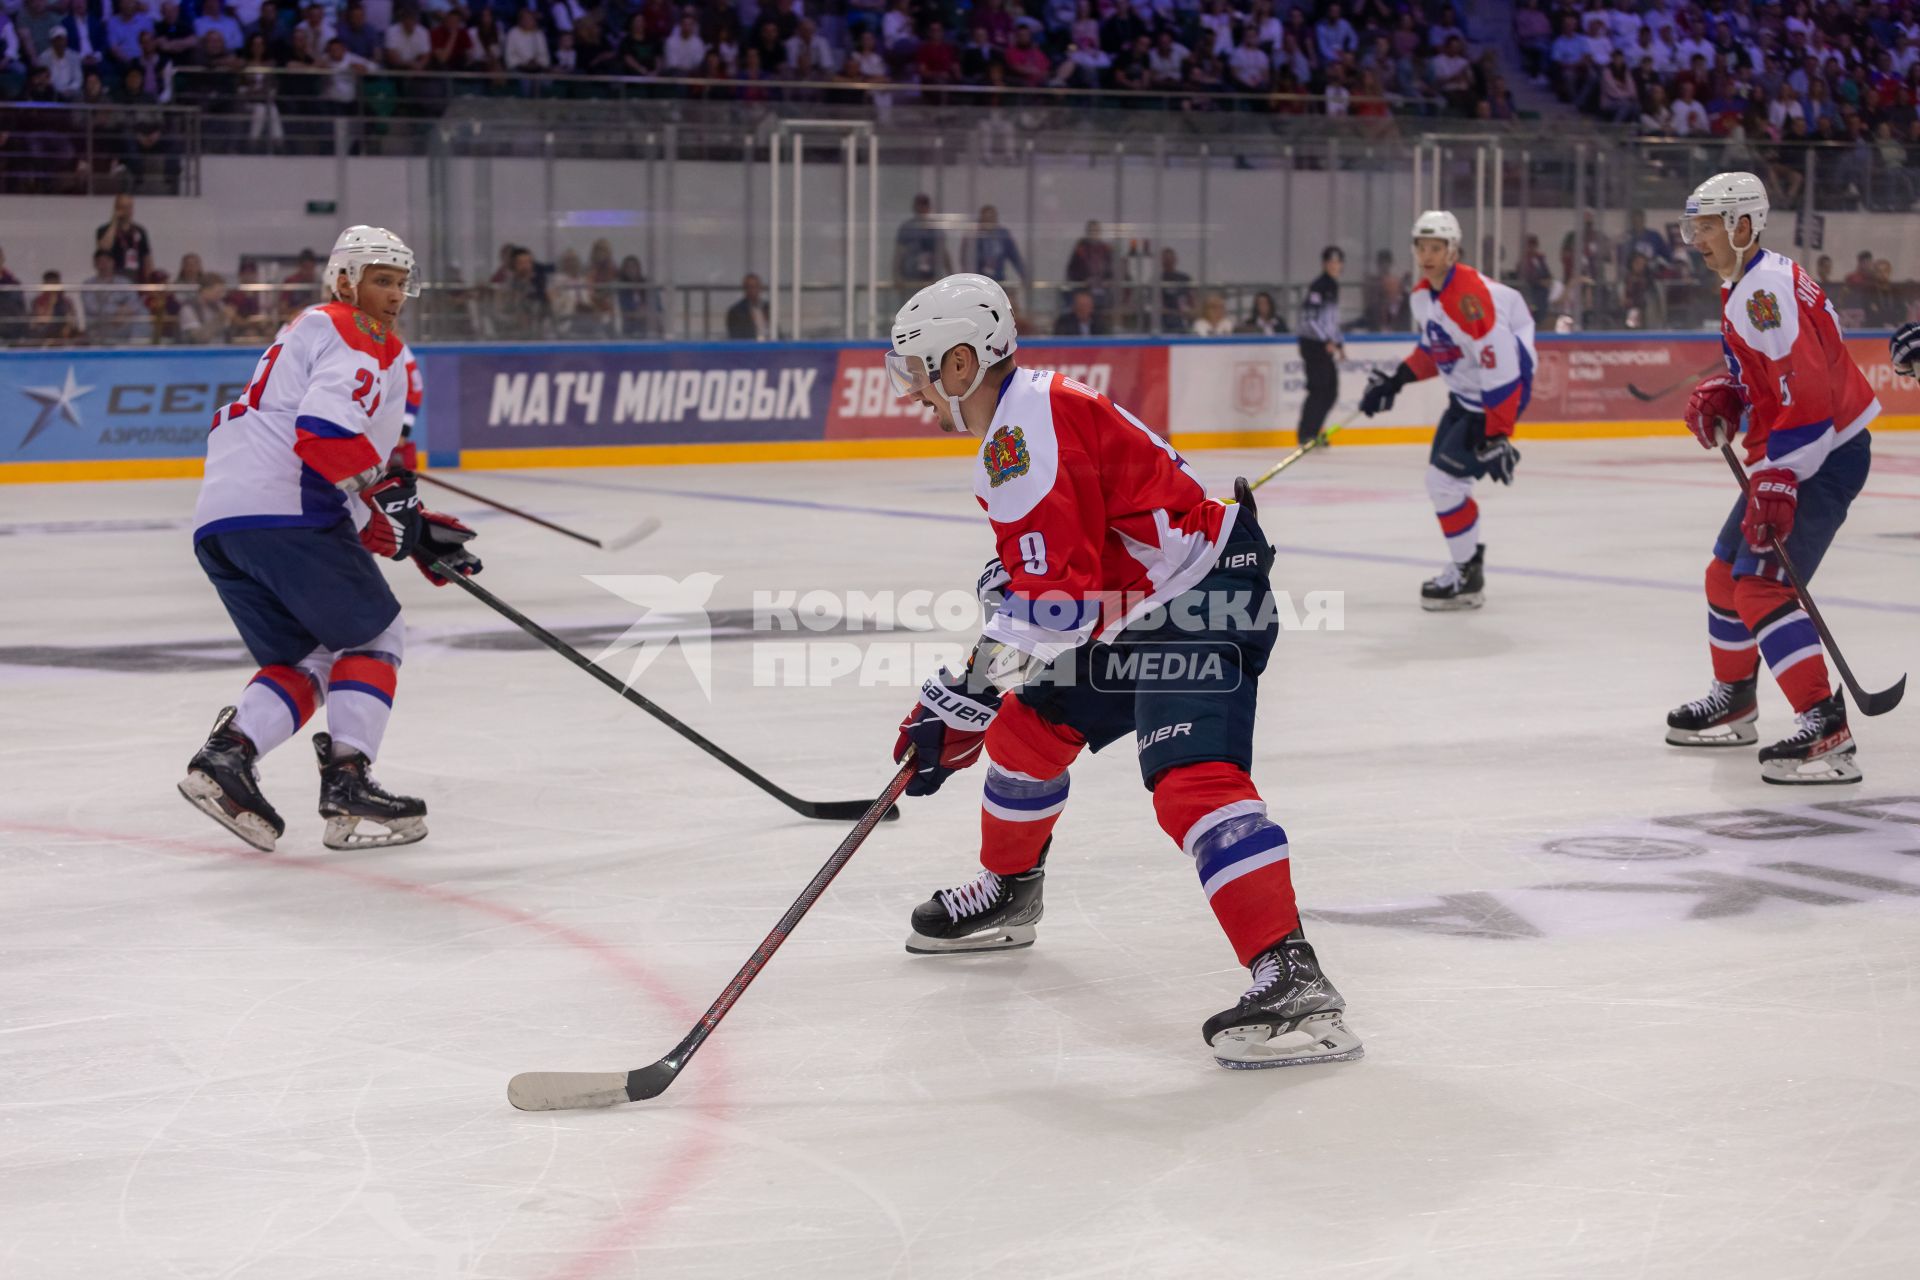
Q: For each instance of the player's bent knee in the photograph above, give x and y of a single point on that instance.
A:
(1188, 796)
(1021, 741)
(1758, 599)
(1446, 489)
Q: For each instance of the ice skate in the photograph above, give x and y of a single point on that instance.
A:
(1458, 586)
(1724, 718)
(988, 913)
(1288, 1017)
(1819, 752)
(223, 782)
(348, 794)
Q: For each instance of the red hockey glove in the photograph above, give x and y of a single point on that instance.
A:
(444, 538)
(394, 526)
(946, 730)
(405, 456)
(1772, 497)
(1714, 411)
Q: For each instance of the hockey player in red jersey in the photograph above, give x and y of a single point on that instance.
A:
(299, 496)
(1800, 406)
(1129, 604)
(1476, 334)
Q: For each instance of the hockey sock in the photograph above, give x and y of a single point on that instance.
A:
(277, 701)
(1787, 639)
(1240, 854)
(1026, 786)
(1459, 514)
(1735, 655)
(360, 692)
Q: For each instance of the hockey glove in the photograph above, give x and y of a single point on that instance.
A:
(1499, 457)
(946, 730)
(444, 538)
(1382, 388)
(1772, 497)
(394, 527)
(1714, 411)
(1905, 350)
(992, 587)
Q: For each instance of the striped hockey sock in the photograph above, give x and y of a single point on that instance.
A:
(1239, 853)
(1735, 654)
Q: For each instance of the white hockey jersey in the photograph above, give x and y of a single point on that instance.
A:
(1477, 334)
(326, 403)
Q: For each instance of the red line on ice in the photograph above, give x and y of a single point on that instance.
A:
(674, 1180)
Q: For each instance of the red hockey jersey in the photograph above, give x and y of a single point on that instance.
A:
(1096, 518)
(1782, 341)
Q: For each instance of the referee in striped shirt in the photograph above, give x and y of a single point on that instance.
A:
(1321, 349)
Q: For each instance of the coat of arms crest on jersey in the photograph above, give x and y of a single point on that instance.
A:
(1471, 309)
(1763, 309)
(1005, 455)
(369, 326)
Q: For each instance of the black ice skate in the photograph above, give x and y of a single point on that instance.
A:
(1458, 586)
(988, 913)
(348, 793)
(1819, 752)
(1724, 718)
(223, 782)
(1289, 1016)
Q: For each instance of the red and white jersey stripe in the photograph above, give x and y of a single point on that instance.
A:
(1096, 518)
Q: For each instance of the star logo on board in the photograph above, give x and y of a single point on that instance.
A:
(53, 400)
(676, 610)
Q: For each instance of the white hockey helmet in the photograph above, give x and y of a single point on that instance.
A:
(959, 311)
(361, 247)
(1438, 224)
(1732, 196)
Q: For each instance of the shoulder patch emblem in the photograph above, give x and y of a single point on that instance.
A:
(1470, 308)
(1006, 456)
(1763, 309)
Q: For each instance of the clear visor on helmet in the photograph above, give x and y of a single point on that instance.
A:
(1690, 228)
(909, 374)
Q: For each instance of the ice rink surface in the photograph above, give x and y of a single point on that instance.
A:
(1628, 1011)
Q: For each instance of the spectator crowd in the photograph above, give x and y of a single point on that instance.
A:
(1767, 78)
(1338, 57)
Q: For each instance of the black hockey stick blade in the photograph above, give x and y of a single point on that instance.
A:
(1878, 704)
(573, 1090)
(1870, 704)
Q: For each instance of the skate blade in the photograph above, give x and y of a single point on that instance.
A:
(1320, 1038)
(1454, 605)
(342, 833)
(1011, 938)
(1737, 733)
(1822, 771)
(204, 794)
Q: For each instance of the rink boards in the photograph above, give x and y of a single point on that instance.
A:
(143, 413)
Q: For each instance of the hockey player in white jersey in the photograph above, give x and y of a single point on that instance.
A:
(298, 499)
(1477, 335)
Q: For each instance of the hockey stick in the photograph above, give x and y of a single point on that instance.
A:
(1305, 449)
(566, 1090)
(1671, 387)
(827, 810)
(644, 529)
(1870, 704)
